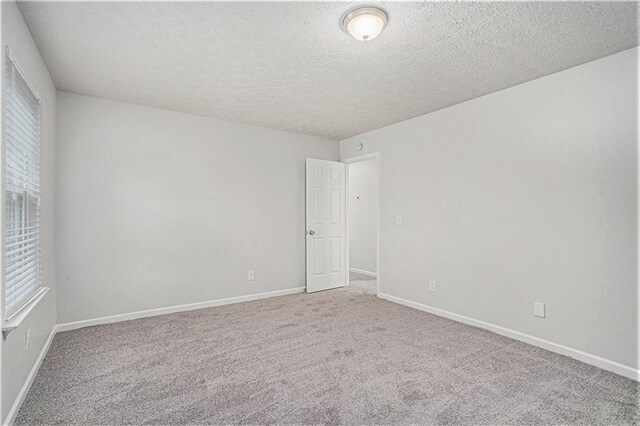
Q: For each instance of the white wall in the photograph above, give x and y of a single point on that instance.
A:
(528, 194)
(159, 208)
(16, 362)
(363, 215)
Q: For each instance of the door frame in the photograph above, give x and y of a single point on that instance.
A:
(348, 161)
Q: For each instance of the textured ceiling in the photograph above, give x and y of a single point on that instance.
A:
(289, 66)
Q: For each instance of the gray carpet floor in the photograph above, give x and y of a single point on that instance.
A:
(335, 357)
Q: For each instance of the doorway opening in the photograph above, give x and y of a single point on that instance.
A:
(363, 260)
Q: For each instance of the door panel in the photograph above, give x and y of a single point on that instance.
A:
(326, 224)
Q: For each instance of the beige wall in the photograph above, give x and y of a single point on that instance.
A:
(159, 208)
(16, 361)
(524, 195)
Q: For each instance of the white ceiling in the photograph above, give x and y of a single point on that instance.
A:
(289, 66)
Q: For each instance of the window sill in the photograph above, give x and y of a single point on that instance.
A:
(16, 319)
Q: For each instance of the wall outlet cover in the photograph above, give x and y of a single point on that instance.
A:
(251, 276)
(398, 219)
(432, 285)
(538, 309)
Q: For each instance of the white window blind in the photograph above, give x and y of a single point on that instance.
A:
(22, 191)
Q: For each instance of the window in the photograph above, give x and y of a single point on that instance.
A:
(21, 191)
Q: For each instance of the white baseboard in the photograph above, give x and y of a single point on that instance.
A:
(588, 358)
(11, 417)
(545, 344)
(177, 308)
(363, 272)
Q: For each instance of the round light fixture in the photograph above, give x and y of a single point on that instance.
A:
(364, 23)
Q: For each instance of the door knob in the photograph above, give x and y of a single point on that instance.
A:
(311, 232)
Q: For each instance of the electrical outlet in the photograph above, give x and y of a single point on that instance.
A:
(27, 338)
(432, 285)
(251, 276)
(538, 309)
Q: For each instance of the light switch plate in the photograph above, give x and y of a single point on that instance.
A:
(538, 309)
(398, 219)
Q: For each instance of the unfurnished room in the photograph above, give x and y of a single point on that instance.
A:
(320, 213)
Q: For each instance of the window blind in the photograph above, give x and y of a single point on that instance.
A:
(22, 191)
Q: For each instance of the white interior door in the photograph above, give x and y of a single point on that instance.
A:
(326, 225)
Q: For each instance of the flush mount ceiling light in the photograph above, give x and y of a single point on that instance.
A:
(364, 23)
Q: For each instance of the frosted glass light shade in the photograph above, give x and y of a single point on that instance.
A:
(365, 23)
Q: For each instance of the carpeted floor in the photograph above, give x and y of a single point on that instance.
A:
(335, 357)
